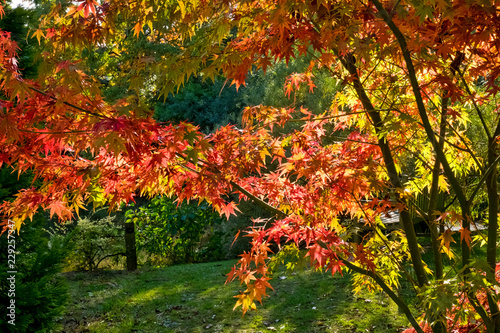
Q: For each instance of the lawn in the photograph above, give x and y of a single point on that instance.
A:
(193, 298)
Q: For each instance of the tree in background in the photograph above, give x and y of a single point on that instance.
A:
(40, 292)
(206, 104)
(414, 76)
(18, 21)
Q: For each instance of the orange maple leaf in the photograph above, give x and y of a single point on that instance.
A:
(465, 235)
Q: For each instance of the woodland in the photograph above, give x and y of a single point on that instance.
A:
(350, 137)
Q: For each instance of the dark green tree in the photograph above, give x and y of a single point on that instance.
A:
(38, 291)
(18, 21)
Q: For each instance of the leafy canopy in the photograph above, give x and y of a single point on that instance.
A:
(414, 76)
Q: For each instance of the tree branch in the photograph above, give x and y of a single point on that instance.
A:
(464, 204)
(476, 107)
(399, 302)
(257, 200)
(484, 177)
(407, 223)
(108, 256)
(69, 104)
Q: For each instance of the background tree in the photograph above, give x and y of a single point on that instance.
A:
(41, 292)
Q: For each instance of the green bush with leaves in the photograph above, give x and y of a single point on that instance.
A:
(96, 240)
(40, 293)
(168, 233)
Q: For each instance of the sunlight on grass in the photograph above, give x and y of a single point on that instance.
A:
(147, 295)
(194, 298)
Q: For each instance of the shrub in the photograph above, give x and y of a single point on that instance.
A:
(175, 234)
(96, 240)
(40, 292)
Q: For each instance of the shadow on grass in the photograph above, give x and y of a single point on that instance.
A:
(315, 302)
(193, 298)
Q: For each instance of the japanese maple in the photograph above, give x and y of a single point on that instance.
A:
(420, 79)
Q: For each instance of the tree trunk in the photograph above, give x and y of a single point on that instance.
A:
(434, 191)
(405, 217)
(130, 246)
(491, 251)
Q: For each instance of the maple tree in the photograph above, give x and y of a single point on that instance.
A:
(419, 80)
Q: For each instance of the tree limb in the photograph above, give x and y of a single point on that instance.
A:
(68, 104)
(399, 302)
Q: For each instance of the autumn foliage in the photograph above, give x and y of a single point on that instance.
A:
(468, 324)
(416, 116)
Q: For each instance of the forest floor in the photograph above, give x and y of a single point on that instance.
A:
(193, 298)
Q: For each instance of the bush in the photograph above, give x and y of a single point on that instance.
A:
(168, 233)
(96, 240)
(40, 293)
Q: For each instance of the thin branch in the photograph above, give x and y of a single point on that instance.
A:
(350, 140)
(257, 200)
(483, 178)
(108, 256)
(497, 130)
(348, 63)
(85, 93)
(481, 311)
(418, 98)
(393, 256)
(399, 302)
(371, 72)
(467, 150)
(466, 145)
(69, 104)
(57, 132)
(476, 107)
(401, 39)
(325, 118)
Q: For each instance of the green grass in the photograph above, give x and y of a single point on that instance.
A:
(193, 298)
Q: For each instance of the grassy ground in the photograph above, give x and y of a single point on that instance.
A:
(193, 298)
